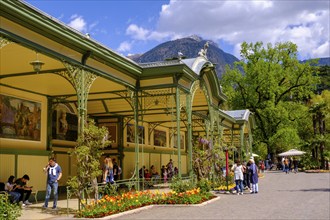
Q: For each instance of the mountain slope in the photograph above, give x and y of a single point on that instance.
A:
(189, 47)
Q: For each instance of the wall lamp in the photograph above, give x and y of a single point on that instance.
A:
(37, 64)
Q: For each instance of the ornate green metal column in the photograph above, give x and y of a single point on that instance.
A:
(241, 132)
(212, 119)
(82, 81)
(178, 128)
(250, 141)
(189, 133)
(135, 104)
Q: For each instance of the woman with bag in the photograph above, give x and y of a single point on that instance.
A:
(238, 173)
(254, 176)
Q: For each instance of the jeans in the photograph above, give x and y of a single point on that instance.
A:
(14, 196)
(110, 179)
(51, 186)
(22, 191)
(239, 185)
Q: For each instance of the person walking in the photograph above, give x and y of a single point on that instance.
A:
(286, 164)
(295, 165)
(238, 174)
(254, 176)
(247, 176)
(54, 174)
(115, 169)
(108, 174)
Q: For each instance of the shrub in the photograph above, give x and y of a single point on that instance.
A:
(178, 185)
(7, 209)
(204, 185)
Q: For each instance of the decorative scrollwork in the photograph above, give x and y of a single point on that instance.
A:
(4, 41)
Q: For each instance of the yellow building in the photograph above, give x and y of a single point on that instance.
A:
(52, 77)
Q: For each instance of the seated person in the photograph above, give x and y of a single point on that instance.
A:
(147, 175)
(22, 188)
(141, 172)
(154, 173)
(10, 187)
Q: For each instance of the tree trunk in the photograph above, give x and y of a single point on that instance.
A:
(314, 124)
(96, 189)
(322, 155)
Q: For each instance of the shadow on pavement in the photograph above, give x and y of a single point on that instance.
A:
(308, 190)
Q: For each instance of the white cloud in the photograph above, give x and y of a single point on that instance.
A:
(137, 32)
(140, 33)
(322, 50)
(125, 46)
(305, 23)
(77, 22)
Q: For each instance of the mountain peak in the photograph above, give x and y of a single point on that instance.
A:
(189, 47)
(196, 37)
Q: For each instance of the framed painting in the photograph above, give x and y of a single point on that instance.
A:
(112, 130)
(64, 125)
(131, 134)
(19, 118)
(160, 138)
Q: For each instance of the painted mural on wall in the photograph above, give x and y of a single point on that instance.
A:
(19, 118)
(64, 125)
(131, 134)
(159, 138)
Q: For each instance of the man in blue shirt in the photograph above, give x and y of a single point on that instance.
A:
(54, 174)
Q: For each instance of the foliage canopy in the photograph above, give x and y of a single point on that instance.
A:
(274, 85)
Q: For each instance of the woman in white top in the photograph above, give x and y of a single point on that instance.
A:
(238, 173)
(10, 187)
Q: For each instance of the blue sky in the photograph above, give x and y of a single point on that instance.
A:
(136, 26)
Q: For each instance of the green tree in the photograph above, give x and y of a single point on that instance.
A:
(324, 78)
(87, 154)
(273, 84)
(319, 109)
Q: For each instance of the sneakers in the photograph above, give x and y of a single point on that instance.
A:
(21, 204)
(54, 208)
(44, 207)
(27, 202)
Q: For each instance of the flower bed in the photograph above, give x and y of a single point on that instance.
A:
(109, 205)
(317, 171)
(224, 187)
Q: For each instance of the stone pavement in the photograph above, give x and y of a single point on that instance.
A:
(281, 196)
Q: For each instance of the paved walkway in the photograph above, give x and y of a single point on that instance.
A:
(281, 196)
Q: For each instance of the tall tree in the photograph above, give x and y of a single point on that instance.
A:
(319, 109)
(272, 83)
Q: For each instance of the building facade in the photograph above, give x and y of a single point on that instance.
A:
(53, 78)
